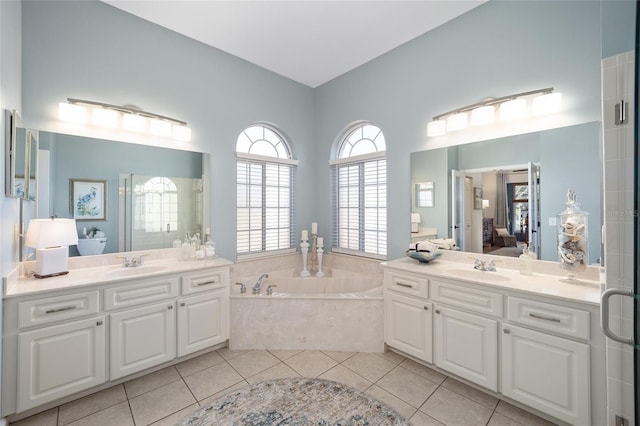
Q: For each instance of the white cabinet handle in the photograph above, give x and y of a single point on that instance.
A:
(604, 314)
(543, 317)
(64, 308)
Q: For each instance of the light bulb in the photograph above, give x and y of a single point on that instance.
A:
(457, 121)
(514, 109)
(483, 115)
(135, 123)
(548, 103)
(436, 128)
(104, 117)
(159, 127)
(72, 113)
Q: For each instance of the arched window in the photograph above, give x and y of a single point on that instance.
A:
(360, 192)
(265, 192)
(156, 205)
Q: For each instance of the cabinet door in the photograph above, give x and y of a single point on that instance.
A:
(60, 360)
(202, 321)
(547, 372)
(467, 345)
(408, 325)
(142, 338)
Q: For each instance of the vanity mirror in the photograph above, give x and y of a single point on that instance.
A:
(567, 157)
(149, 196)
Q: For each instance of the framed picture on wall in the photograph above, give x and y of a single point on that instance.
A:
(88, 199)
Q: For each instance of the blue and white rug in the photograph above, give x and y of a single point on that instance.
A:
(295, 401)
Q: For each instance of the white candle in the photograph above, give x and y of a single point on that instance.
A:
(314, 228)
(305, 235)
(320, 242)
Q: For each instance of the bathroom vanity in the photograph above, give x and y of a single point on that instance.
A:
(97, 326)
(532, 340)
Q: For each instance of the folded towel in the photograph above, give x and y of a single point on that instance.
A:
(445, 243)
(424, 246)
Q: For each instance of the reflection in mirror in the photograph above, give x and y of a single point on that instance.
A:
(16, 151)
(567, 157)
(424, 194)
(141, 214)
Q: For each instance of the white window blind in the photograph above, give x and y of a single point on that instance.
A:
(265, 207)
(360, 193)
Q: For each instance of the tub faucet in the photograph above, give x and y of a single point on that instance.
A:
(258, 284)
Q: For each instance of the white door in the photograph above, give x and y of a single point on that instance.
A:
(534, 208)
(466, 345)
(202, 322)
(142, 338)
(461, 209)
(547, 372)
(408, 326)
(60, 360)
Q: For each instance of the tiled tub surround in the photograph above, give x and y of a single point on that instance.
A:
(342, 311)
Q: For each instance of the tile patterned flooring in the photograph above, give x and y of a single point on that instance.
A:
(419, 393)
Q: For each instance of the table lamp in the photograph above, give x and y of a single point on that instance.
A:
(51, 238)
(415, 222)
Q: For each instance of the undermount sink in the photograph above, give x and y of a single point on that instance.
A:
(477, 274)
(136, 270)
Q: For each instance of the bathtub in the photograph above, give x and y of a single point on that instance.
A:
(342, 311)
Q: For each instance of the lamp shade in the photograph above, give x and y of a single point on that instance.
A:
(44, 233)
(415, 217)
(485, 204)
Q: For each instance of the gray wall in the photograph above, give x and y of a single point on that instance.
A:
(496, 49)
(90, 50)
(618, 26)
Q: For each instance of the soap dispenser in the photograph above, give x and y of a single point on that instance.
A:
(525, 262)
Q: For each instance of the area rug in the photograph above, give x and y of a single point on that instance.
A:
(507, 251)
(295, 401)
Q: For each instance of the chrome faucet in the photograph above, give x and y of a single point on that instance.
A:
(481, 265)
(133, 261)
(258, 284)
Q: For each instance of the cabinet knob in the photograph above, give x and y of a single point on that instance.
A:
(437, 311)
(170, 307)
(99, 323)
(426, 308)
(506, 331)
(182, 304)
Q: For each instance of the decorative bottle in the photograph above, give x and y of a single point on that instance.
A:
(573, 241)
(525, 262)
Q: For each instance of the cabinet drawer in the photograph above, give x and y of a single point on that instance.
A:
(546, 316)
(52, 309)
(404, 282)
(141, 292)
(205, 281)
(473, 299)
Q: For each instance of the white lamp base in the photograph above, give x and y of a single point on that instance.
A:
(51, 262)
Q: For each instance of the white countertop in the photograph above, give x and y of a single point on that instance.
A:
(90, 275)
(549, 285)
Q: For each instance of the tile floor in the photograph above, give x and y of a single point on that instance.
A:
(420, 394)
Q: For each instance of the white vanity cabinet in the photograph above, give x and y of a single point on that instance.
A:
(544, 371)
(60, 342)
(408, 314)
(517, 341)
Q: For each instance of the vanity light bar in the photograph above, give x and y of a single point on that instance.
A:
(510, 107)
(81, 111)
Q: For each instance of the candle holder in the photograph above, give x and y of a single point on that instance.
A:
(304, 249)
(313, 258)
(320, 252)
